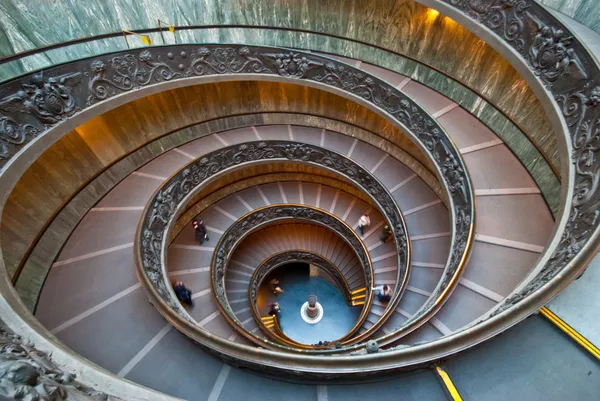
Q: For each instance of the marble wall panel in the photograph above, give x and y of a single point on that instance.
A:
(586, 12)
(402, 26)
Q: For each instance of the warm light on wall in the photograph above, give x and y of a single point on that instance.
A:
(432, 14)
(449, 21)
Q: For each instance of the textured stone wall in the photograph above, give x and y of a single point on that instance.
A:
(586, 12)
(402, 27)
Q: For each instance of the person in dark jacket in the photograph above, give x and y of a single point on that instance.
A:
(200, 231)
(274, 308)
(183, 294)
(386, 233)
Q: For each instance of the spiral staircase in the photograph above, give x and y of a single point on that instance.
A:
(279, 144)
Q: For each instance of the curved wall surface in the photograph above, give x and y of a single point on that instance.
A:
(98, 143)
(403, 27)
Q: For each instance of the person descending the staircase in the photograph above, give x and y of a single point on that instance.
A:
(363, 222)
(386, 233)
(275, 288)
(183, 294)
(274, 308)
(384, 293)
(200, 231)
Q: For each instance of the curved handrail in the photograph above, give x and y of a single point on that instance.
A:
(37, 50)
(297, 255)
(83, 84)
(577, 239)
(163, 208)
(266, 216)
(291, 256)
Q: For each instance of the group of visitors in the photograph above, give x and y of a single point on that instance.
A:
(181, 291)
(275, 288)
(384, 292)
(329, 344)
(365, 221)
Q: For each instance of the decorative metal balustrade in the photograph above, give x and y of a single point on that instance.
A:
(269, 215)
(571, 76)
(162, 211)
(63, 92)
(298, 256)
(36, 103)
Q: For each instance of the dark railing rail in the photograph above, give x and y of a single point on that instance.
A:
(280, 214)
(42, 49)
(163, 209)
(62, 93)
(301, 256)
(570, 78)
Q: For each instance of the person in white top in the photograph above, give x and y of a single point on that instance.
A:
(363, 222)
(383, 292)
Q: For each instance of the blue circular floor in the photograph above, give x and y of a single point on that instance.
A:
(338, 317)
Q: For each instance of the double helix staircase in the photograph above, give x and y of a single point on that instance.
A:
(96, 298)
(108, 305)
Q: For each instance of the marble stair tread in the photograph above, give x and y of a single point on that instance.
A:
(483, 166)
(429, 99)
(116, 333)
(165, 165)
(99, 231)
(367, 155)
(511, 216)
(201, 146)
(308, 134)
(488, 260)
(464, 308)
(61, 300)
(433, 219)
(184, 259)
(134, 190)
(465, 129)
(339, 143)
(236, 136)
(391, 172)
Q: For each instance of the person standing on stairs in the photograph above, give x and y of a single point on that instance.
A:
(384, 293)
(200, 231)
(274, 309)
(183, 294)
(363, 222)
(275, 288)
(386, 233)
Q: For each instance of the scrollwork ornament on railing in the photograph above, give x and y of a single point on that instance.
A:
(27, 373)
(13, 134)
(567, 71)
(293, 256)
(49, 99)
(128, 72)
(268, 215)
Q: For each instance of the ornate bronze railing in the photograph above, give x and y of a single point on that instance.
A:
(75, 87)
(162, 211)
(301, 256)
(67, 95)
(568, 77)
(267, 216)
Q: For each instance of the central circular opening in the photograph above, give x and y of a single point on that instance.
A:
(312, 309)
